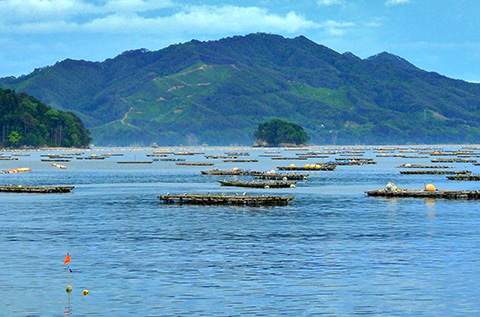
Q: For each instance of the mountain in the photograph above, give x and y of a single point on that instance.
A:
(217, 92)
(25, 121)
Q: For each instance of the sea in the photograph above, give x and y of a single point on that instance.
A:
(332, 251)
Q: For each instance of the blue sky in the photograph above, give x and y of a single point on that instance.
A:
(435, 35)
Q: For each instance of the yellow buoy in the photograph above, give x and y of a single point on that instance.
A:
(430, 188)
(292, 165)
(307, 165)
(85, 292)
(69, 289)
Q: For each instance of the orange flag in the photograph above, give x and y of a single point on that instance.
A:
(67, 259)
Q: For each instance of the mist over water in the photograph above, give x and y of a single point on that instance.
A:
(332, 251)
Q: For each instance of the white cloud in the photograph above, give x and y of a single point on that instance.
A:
(27, 11)
(396, 2)
(337, 28)
(123, 19)
(127, 17)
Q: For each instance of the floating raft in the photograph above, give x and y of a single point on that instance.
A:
(240, 160)
(454, 160)
(55, 160)
(436, 172)
(464, 177)
(226, 199)
(422, 166)
(135, 162)
(272, 184)
(194, 164)
(290, 158)
(228, 172)
(313, 167)
(35, 189)
(282, 176)
(420, 193)
(172, 160)
(353, 162)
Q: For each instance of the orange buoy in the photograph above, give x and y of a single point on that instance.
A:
(430, 188)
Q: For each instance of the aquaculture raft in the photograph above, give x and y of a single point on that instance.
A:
(134, 162)
(420, 193)
(282, 176)
(271, 184)
(423, 166)
(435, 172)
(194, 163)
(35, 189)
(323, 167)
(464, 177)
(227, 172)
(226, 199)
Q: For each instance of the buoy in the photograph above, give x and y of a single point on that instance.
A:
(391, 186)
(307, 165)
(292, 165)
(19, 186)
(85, 292)
(292, 186)
(235, 169)
(430, 188)
(267, 187)
(69, 289)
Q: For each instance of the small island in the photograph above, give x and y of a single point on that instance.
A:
(279, 132)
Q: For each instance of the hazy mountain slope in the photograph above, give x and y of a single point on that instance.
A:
(217, 92)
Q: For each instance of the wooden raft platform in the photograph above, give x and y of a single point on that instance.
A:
(436, 172)
(194, 164)
(226, 199)
(280, 176)
(134, 162)
(423, 166)
(420, 193)
(226, 172)
(464, 177)
(323, 167)
(252, 184)
(35, 189)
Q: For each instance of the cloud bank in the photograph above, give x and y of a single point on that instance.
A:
(145, 16)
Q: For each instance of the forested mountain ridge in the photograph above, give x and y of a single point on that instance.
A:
(217, 92)
(25, 121)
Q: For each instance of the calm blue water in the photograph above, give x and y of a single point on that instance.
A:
(332, 251)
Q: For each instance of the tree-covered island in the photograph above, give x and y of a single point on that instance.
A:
(279, 132)
(26, 121)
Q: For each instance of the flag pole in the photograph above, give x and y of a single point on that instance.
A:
(67, 260)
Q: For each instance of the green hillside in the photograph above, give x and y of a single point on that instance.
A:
(25, 121)
(217, 92)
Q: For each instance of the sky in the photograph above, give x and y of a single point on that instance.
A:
(435, 35)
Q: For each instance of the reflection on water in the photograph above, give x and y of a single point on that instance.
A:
(332, 251)
(68, 309)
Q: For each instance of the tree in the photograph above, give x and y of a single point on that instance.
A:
(280, 132)
(14, 137)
